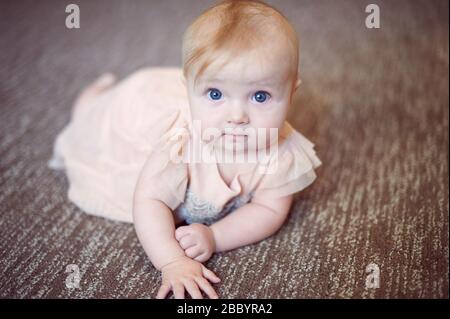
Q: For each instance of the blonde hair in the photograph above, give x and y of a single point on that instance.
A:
(235, 26)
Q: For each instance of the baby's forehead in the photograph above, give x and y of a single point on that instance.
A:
(248, 69)
(248, 76)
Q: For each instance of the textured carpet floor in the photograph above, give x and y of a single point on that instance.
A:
(375, 102)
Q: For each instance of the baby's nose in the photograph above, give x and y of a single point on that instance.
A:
(237, 115)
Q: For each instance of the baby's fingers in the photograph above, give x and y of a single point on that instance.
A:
(180, 232)
(193, 251)
(187, 241)
(206, 287)
(201, 258)
(208, 274)
(192, 288)
(163, 291)
(178, 291)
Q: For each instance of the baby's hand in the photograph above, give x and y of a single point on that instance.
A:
(190, 274)
(197, 240)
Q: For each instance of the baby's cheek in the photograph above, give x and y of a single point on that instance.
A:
(209, 135)
(207, 131)
(264, 138)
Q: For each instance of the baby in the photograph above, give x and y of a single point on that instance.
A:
(127, 149)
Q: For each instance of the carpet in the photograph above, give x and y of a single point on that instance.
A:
(374, 101)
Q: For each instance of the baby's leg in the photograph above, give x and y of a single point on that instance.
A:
(104, 82)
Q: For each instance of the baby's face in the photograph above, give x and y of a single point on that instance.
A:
(246, 94)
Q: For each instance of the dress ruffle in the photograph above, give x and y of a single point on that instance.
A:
(293, 169)
(165, 175)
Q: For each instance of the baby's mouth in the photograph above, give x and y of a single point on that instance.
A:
(235, 137)
(234, 132)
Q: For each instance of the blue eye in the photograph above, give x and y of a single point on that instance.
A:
(214, 94)
(261, 96)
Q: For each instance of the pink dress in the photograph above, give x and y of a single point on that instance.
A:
(105, 146)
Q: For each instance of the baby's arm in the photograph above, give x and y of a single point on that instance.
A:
(155, 227)
(253, 222)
